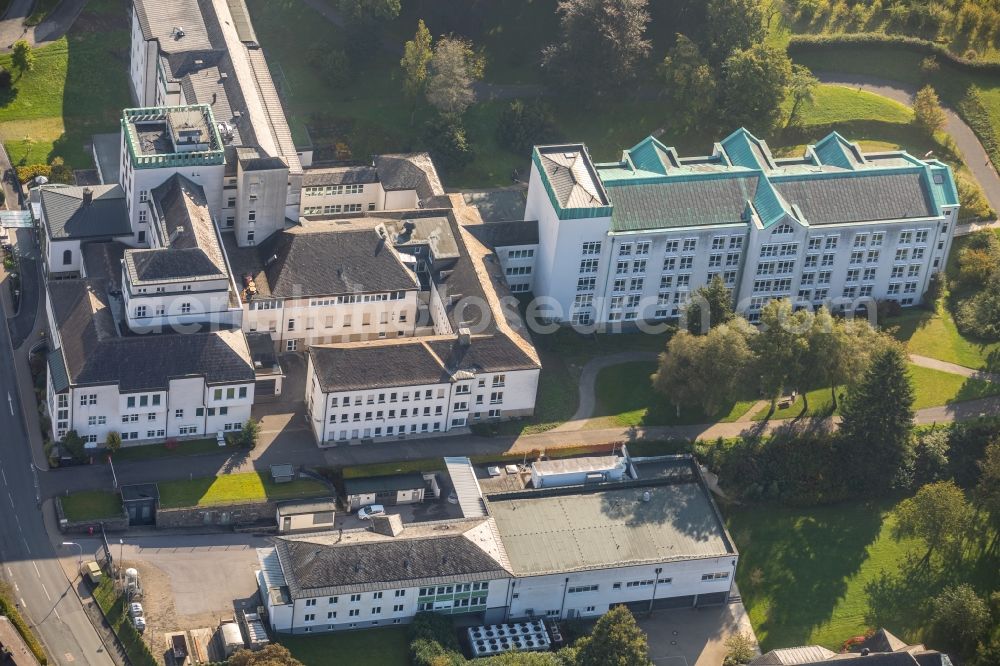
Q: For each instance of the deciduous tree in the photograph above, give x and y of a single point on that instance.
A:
(601, 44)
(959, 617)
(801, 89)
(23, 56)
(753, 87)
(928, 115)
(615, 641)
(370, 10)
(939, 514)
(733, 25)
(454, 67)
(740, 649)
(689, 82)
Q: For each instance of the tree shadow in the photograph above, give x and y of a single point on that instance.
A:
(796, 563)
(8, 95)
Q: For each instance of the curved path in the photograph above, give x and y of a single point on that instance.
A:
(588, 385)
(57, 24)
(971, 150)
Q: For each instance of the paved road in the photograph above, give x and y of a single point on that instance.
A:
(29, 558)
(973, 153)
(57, 24)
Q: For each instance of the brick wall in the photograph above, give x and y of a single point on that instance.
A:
(217, 516)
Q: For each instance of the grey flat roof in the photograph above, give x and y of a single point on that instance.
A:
(107, 153)
(374, 484)
(580, 529)
(299, 507)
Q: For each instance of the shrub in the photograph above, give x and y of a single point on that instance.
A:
(972, 199)
(447, 142)
(60, 172)
(9, 609)
(333, 65)
(113, 441)
(31, 171)
(523, 125)
(936, 287)
(5, 78)
(250, 433)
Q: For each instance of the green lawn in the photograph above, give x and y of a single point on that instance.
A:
(153, 451)
(625, 395)
(373, 647)
(802, 573)
(836, 104)
(931, 388)
(904, 66)
(233, 488)
(92, 505)
(78, 87)
(390, 468)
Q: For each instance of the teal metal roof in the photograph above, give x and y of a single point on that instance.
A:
(652, 188)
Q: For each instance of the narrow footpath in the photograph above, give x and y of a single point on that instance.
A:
(971, 150)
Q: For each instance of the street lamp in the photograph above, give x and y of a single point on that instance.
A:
(80, 557)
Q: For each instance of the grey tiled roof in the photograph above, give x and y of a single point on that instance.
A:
(346, 175)
(353, 367)
(409, 171)
(189, 247)
(94, 353)
(681, 202)
(505, 234)
(859, 196)
(313, 566)
(67, 216)
(158, 19)
(411, 362)
(309, 262)
(571, 175)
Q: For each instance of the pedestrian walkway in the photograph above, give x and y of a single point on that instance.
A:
(587, 403)
(57, 24)
(954, 368)
(969, 147)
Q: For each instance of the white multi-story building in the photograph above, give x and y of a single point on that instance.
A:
(102, 377)
(418, 387)
(557, 553)
(630, 240)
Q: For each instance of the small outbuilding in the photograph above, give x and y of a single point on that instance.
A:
(577, 471)
(308, 515)
(385, 490)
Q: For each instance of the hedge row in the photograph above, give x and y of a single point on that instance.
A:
(975, 113)
(8, 608)
(800, 43)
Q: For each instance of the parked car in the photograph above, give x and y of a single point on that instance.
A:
(92, 572)
(366, 512)
(135, 609)
(140, 623)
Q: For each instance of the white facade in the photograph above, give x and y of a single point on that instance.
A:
(188, 408)
(518, 264)
(599, 269)
(396, 412)
(298, 323)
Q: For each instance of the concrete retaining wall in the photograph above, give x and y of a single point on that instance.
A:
(217, 516)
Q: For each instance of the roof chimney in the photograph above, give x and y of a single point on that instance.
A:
(464, 337)
(88, 196)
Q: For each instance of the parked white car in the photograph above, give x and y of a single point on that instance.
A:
(135, 609)
(140, 623)
(366, 512)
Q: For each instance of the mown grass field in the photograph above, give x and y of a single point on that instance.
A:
(625, 397)
(931, 388)
(92, 505)
(803, 573)
(234, 488)
(78, 87)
